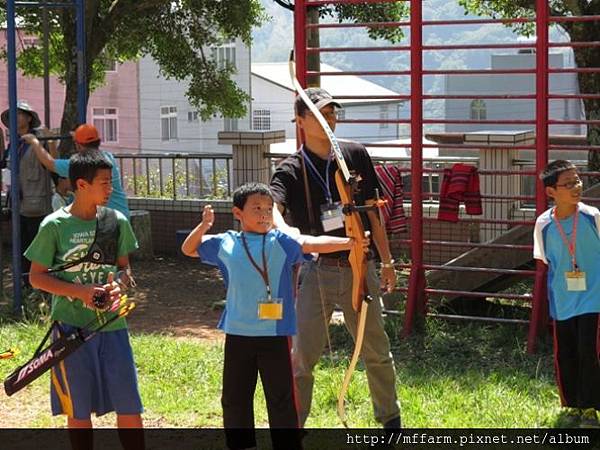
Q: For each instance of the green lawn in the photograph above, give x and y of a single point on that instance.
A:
(455, 375)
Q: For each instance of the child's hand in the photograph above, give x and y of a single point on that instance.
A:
(30, 139)
(208, 217)
(88, 292)
(114, 291)
(365, 242)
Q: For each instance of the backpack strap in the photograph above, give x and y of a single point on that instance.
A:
(104, 248)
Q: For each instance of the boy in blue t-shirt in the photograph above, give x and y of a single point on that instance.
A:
(567, 239)
(259, 318)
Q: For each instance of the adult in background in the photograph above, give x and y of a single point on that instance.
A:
(304, 190)
(86, 137)
(35, 184)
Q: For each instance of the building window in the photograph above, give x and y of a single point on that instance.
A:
(230, 124)
(192, 116)
(110, 65)
(168, 123)
(384, 115)
(341, 114)
(225, 55)
(30, 41)
(106, 120)
(478, 110)
(261, 119)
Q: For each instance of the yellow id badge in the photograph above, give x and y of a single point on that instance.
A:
(575, 280)
(270, 309)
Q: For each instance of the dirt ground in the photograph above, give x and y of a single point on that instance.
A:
(176, 296)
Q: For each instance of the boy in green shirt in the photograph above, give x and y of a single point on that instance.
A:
(100, 376)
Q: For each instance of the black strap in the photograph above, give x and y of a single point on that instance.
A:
(311, 213)
(103, 249)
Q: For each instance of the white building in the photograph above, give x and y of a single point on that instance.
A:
(273, 103)
(168, 123)
(503, 109)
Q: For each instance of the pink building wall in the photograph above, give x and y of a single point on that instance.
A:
(120, 91)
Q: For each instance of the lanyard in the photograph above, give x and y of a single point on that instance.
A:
(263, 272)
(317, 175)
(570, 245)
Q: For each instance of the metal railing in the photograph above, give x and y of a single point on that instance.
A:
(176, 176)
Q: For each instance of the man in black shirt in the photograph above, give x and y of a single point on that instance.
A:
(305, 193)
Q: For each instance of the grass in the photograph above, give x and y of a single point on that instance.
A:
(454, 375)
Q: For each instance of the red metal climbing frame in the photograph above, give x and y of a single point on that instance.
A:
(421, 223)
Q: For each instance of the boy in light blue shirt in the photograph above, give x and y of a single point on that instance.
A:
(567, 239)
(258, 267)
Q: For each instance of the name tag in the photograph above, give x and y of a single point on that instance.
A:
(332, 217)
(575, 281)
(270, 309)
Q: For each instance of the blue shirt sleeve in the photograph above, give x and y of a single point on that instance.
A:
(61, 167)
(209, 250)
(291, 246)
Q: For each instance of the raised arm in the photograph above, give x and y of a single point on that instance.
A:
(198, 234)
(45, 158)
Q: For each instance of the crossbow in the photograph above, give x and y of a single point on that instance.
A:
(347, 185)
(44, 358)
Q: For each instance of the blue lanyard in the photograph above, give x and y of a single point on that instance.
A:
(317, 175)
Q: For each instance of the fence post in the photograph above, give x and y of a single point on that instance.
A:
(248, 154)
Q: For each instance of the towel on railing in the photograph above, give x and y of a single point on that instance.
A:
(461, 183)
(390, 179)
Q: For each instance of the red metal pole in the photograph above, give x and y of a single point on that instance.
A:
(300, 40)
(416, 284)
(539, 313)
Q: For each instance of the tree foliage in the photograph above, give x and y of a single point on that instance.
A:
(175, 33)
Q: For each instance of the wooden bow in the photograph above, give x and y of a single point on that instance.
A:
(347, 185)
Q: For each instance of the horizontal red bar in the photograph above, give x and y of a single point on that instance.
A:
(513, 121)
(397, 48)
(470, 244)
(576, 70)
(358, 25)
(574, 44)
(348, 2)
(479, 269)
(479, 96)
(490, 221)
(575, 96)
(479, 294)
(574, 18)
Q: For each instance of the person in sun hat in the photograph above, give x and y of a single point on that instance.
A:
(86, 137)
(35, 184)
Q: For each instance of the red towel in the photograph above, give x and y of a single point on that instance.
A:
(461, 183)
(390, 179)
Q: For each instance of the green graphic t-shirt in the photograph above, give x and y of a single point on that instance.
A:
(62, 238)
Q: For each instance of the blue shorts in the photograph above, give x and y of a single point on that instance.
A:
(99, 377)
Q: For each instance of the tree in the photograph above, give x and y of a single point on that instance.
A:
(371, 12)
(175, 33)
(585, 57)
